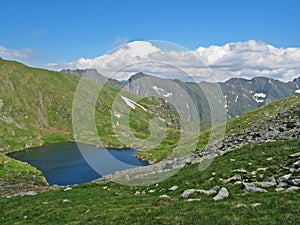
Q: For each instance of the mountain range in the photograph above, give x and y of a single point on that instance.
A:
(240, 95)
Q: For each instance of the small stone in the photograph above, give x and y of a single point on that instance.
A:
(233, 178)
(68, 189)
(253, 173)
(30, 193)
(87, 211)
(173, 188)
(213, 173)
(279, 189)
(240, 171)
(282, 184)
(270, 158)
(164, 196)
(262, 169)
(250, 187)
(284, 178)
(215, 188)
(268, 183)
(295, 155)
(223, 193)
(256, 204)
(188, 192)
(293, 188)
(66, 200)
(240, 205)
(296, 164)
(238, 182)
(294, 182)
(193, 199)
(137, 193)
(151, 191)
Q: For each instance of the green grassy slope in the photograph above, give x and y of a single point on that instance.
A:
(36, 109)
(111, 203)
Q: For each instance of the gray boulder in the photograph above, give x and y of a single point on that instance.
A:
(223, 193)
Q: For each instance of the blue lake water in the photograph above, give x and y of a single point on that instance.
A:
(76, 163)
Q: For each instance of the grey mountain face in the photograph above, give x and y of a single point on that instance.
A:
(237, 95)
(93, 75)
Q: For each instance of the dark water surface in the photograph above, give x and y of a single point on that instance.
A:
(65, 164)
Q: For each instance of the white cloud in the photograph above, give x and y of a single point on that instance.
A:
(215, 63)
(15, 54)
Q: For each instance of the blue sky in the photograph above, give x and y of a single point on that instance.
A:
(65, 30)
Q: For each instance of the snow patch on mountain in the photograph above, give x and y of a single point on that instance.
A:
(132, 104)
(259, 97)
(168, 94)
(157, 89)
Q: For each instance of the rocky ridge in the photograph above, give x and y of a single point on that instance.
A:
(285, 125)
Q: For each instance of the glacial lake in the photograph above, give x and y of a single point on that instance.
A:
(76, 163)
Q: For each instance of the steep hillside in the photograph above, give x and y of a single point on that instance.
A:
(36, 109)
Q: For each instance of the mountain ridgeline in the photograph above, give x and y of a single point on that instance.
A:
(240, 95)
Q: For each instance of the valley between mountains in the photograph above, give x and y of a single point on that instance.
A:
(250, 173)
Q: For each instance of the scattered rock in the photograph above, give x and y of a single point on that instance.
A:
(173, 188)
(189, 192)
(295, 155)
(262, 169)
(279, 189)
(282, 184)
(250, 187)
(294, 182)
(233, 178)
(240, 171)
(284, 178)
(270, 158)
(193, 199)
(292, 188)
(223, 193)
(151, 191)
(256, 204)
(30, 193)
(270, 183)
(296, 164)
(68, 189)
(137, 193)
(240, 205)
(164, 196)
(66, 200)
